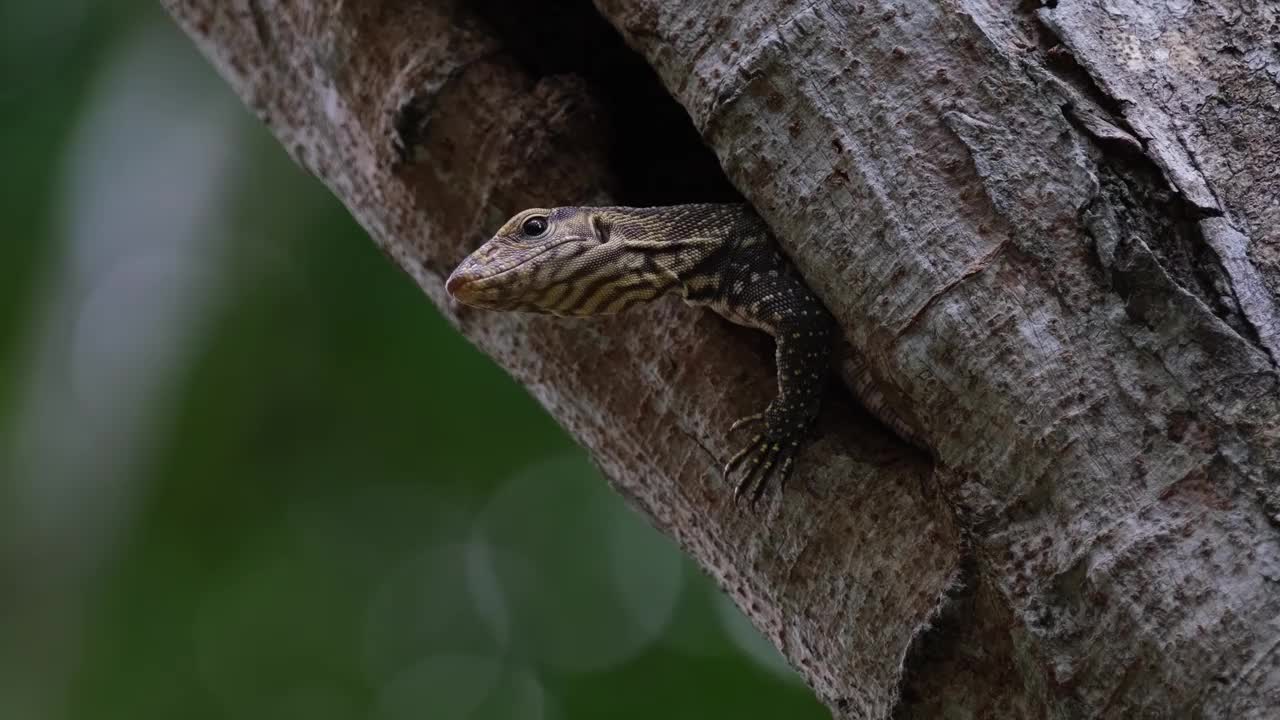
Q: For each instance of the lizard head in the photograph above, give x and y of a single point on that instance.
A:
(535, 262)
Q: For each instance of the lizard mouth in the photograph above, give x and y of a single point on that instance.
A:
(474, 283)
(469, 286)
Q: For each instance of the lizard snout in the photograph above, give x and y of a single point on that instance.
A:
(467, 285)
(460, 285)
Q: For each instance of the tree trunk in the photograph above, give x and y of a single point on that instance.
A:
(1050, 235)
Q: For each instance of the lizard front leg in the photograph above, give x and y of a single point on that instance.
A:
(761, 291)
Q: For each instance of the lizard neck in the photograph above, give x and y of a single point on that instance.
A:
(678, 249)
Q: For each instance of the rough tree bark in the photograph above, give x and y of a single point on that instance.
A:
(1049, 233)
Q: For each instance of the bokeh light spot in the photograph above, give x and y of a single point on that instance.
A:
(423, 608)
(588, 583)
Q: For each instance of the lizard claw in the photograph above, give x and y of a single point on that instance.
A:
(771, 452)
(737, 459)
(788, 460)
(763, 478)
(758, 450)
(767, 460)
(744, 422)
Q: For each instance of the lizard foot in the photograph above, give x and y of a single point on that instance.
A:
(765, 456)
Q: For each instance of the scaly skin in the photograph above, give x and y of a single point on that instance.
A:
(603, 260)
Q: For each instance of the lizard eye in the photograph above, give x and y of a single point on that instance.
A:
(534, 226)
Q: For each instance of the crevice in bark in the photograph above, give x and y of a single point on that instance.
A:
(1059, 60)
(1142, 199)
(966, 664)
(1180, 245)
(1145, 207)
(940, 642)
(412, 116)
(570, 37)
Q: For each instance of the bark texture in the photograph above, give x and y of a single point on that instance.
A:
(1049, 234)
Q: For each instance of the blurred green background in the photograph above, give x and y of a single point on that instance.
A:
(247, 469)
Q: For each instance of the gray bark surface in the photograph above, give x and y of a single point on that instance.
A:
(1049, 235)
